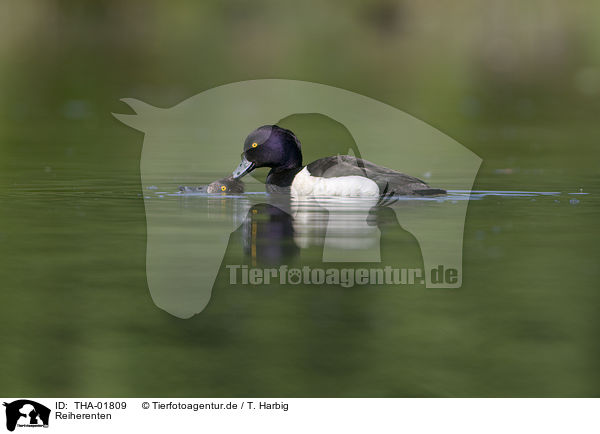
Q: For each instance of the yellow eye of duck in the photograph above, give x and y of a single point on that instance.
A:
(254, 145)
(223, 188)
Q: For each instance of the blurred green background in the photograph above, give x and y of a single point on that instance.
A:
(518, 83)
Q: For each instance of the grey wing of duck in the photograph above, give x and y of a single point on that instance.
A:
(388, 180)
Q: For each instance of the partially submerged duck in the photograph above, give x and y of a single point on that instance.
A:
(339, 175)
(225, 185)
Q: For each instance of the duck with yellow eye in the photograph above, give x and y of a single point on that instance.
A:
(225, 186)
(338, 175)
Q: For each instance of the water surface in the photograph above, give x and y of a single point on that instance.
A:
(82, 320)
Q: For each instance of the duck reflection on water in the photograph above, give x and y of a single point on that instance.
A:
(268, 235)
(332, 233)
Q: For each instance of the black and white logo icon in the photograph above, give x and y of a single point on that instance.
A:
(26, 413)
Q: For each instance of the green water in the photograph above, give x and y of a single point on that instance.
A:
(76, 316)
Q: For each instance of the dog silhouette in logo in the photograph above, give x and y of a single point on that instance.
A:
(25, 408)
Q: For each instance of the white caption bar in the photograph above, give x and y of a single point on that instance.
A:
(249, 415)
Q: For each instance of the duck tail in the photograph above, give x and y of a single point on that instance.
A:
(430, 192)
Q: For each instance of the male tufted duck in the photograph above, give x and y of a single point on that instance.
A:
(340, 175)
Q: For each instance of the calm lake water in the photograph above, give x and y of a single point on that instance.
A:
(78, 320)
(517, 83)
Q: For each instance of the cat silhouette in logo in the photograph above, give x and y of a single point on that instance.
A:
(28, 409)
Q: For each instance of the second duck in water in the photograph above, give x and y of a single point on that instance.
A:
(226, 185)
(340, 175)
